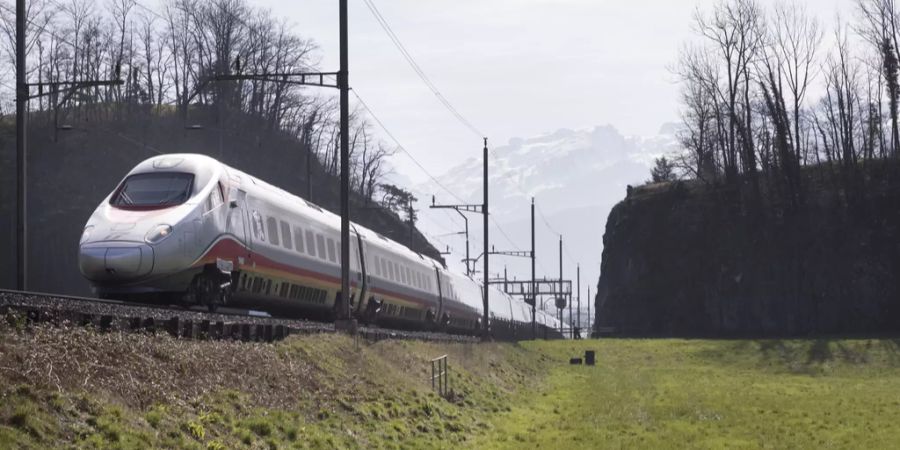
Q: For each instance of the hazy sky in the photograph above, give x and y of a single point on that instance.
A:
(512, 67)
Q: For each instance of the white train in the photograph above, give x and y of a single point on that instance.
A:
(192, 229)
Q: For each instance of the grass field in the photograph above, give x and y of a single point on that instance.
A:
(74, 388)
(711, 394)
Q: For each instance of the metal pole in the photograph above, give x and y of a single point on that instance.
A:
(579, 297)
(590, 319)
(466, 221)
(411, 225)
(344, 86)
(561, 323)
(560, 284)
(220, 122)
(468, 261)
(484, 209)
(309, 173)
(571, 321)
(21, 118)
(533, 289)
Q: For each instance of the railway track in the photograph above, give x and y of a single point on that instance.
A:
(177, 321)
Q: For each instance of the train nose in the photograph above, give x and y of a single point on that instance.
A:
(115, 261)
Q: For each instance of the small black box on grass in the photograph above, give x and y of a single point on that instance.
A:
(589, 357)
(575, 361)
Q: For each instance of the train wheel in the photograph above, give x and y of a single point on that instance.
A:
(336, 308)
(205, 292)
(370, 315)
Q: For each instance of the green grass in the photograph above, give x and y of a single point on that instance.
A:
(711, 394)
(642, 394)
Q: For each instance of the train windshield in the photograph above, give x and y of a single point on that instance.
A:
(154, 190)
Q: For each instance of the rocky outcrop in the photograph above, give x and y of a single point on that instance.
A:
(687, 259)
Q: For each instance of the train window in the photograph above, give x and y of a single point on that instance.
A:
(390, 266)
(153, 190)
(377, 268)
(310, 243)
(320, 246)
(331, 256)
(258, 230)
(298, 239)
(404, 274)
(273, 230)
(383, 264)
(286, 239)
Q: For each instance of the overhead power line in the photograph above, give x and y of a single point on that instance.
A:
(401, 147)
(418, 69)
(406, 152)
(550, 227)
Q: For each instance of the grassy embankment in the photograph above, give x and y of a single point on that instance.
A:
(74, 388)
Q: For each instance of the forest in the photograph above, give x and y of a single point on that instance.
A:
(770, 90)
(169, 59)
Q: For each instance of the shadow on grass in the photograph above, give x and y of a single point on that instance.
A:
(810, 356)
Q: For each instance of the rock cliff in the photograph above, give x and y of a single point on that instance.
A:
(690, 259)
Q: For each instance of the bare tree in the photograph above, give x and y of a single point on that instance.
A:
(842, 78)
(796, 37)
(735, 30)
(699, 78)
(879, 28)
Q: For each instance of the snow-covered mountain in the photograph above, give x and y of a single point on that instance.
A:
(576, 176)
(563, 169)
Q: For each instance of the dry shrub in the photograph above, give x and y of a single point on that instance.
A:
(141, 369)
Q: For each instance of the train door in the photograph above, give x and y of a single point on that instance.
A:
(440, 294)
(236, 221)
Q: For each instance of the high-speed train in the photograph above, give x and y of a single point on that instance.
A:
(188, 228)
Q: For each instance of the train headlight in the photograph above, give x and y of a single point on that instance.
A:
(158, 234)
(86, 234)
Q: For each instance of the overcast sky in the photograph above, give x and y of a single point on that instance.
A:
(514, 68)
